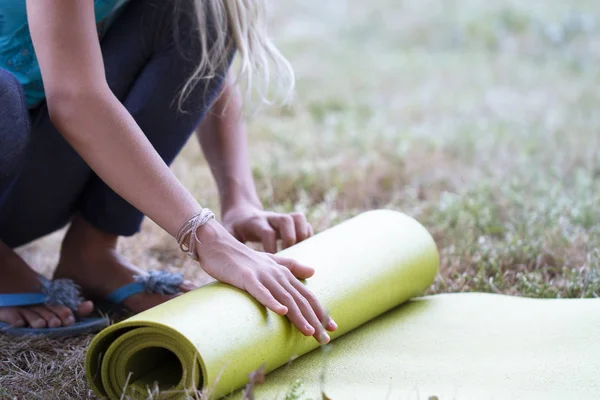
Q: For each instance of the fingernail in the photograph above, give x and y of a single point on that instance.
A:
(324, 338)
(69, 320)
(332, 324)
(309, 329)
(54, 323)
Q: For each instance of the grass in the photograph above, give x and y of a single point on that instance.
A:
(480, 119)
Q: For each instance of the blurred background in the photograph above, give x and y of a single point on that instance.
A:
(480, 119)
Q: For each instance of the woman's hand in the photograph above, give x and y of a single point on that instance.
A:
(270, 279)
(248, 223)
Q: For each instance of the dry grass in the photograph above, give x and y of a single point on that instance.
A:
(479, 118)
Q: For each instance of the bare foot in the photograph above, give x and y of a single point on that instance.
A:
(18, 277)
(89, 257)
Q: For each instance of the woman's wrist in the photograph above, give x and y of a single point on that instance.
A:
(213, 237)
(199, 228)
(238, 194)
(211, 232)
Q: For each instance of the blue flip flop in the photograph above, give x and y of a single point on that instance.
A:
(57, 292)
(159, 282)
(66, 292)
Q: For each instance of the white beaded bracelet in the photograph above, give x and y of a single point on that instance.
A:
(187, 237)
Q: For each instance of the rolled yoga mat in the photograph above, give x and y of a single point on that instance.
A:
(451, 346)
(214, 337)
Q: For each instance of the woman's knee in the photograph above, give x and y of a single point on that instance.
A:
(14, 124)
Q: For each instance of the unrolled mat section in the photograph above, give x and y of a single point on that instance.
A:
(463, 346)
(214, 337)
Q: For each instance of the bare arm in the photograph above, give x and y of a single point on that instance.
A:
(222, 136)
(91, 118)
(100, 129)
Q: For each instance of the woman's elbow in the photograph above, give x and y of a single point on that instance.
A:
(69, 107)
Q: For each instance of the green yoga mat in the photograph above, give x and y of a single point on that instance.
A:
(215, 336)
(395, 345)
(468, 346)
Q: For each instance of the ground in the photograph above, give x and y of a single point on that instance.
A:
(480, 119)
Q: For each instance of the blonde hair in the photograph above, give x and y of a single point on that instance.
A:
(224, 25)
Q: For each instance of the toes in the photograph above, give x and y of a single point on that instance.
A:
(11, 316)
(187, 286)
(32, 318)
(64, 314)
(85, 308)
(52, 321)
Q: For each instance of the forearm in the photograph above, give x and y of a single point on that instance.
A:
(222, 136)
(92, 120)
(116, 149)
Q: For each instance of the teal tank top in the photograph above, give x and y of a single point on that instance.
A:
(16, 48)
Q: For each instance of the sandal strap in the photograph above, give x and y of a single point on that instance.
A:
(124, 292)
(21, 299)
(62, 292)
(160, 282)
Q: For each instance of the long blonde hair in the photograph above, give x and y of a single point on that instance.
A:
(241, 25)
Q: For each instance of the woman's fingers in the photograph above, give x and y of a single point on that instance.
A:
(270, 279)
(301, 225)
(261, 230)
(276, 291)
(299, 270)
(310, 311)
(290, 228)
(265, 297)
(302, 271)
(284, 224)
(324, 319)
(294, 314)
(304, 309)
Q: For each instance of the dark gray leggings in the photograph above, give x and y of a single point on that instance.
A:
(43, 181)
